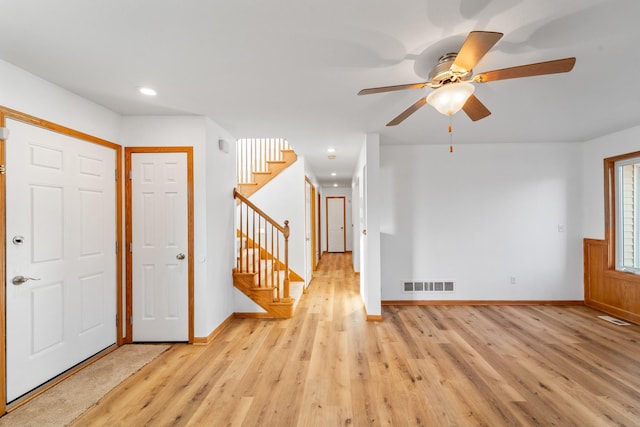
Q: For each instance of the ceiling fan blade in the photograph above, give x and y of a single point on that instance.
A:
(409, 111)
(475, 109)
(392, 88)
(477, 44)
(537, 69)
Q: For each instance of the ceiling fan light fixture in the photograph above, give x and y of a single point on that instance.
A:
(450, 98)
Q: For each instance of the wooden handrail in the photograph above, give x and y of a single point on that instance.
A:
(237, 195)
(264, 258)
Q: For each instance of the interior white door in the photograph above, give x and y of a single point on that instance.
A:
(160, 275)
(60, 254)
(357, 219)
(335, 224)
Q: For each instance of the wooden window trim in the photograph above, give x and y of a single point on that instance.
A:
(610, 217)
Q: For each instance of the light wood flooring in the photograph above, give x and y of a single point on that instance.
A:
(422, 365)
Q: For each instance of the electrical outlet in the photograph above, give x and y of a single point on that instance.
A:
(513, 280)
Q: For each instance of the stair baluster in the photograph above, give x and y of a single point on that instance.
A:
(263, 249)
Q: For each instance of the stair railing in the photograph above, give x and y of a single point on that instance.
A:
(263, 247)
(254, 153)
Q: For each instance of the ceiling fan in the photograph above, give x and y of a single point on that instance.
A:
(452, 77)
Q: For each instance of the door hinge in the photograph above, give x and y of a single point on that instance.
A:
(131, 247)
(116, 320)
(130, 174)
(131, 320)
(3, 170)
(116, 174)
(116, 247)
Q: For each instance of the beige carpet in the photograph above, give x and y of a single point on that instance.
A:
(63, 403)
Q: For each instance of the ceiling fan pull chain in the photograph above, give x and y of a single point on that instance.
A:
(450, 134)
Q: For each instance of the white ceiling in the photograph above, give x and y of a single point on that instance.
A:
(292, 68)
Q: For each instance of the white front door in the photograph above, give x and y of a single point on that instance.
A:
(335, 224)
(60, 254)
(160, 274)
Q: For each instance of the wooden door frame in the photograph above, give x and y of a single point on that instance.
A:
(128, 151)
(314, 236)
(7, 113)
(344, 220)
(319, 225)
(312, 223)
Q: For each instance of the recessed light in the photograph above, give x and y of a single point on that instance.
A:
(335, 185)
(331, 150)
(333, 174)
(148, 91)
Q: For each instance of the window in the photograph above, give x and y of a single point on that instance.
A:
(627, 208)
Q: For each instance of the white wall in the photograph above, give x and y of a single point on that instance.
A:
(284, 199)
(336, 192)
(217, 293)
(31, 95)
(594, 153)
(480, 215)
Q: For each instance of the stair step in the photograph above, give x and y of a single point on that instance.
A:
(262, 177)
(283, 301)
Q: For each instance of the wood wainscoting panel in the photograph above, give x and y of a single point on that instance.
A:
(611, 291)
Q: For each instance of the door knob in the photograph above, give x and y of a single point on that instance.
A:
(180, 256)
(19, 280)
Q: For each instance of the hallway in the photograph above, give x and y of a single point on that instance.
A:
(437, 365)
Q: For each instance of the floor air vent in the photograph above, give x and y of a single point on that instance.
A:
(614, 320)
(440, 286)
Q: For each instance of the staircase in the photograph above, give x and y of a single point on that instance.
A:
(261, 160)
(262, 270)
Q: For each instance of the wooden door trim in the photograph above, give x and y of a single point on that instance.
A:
(319, 225)
(6, 113)
(128, 151)
(314, 237)
(344, 220)
(312, 222)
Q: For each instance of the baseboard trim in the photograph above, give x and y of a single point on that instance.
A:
(371, 317)
(305, 289)
(482, 302)
(253, 316)
(206, 340)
